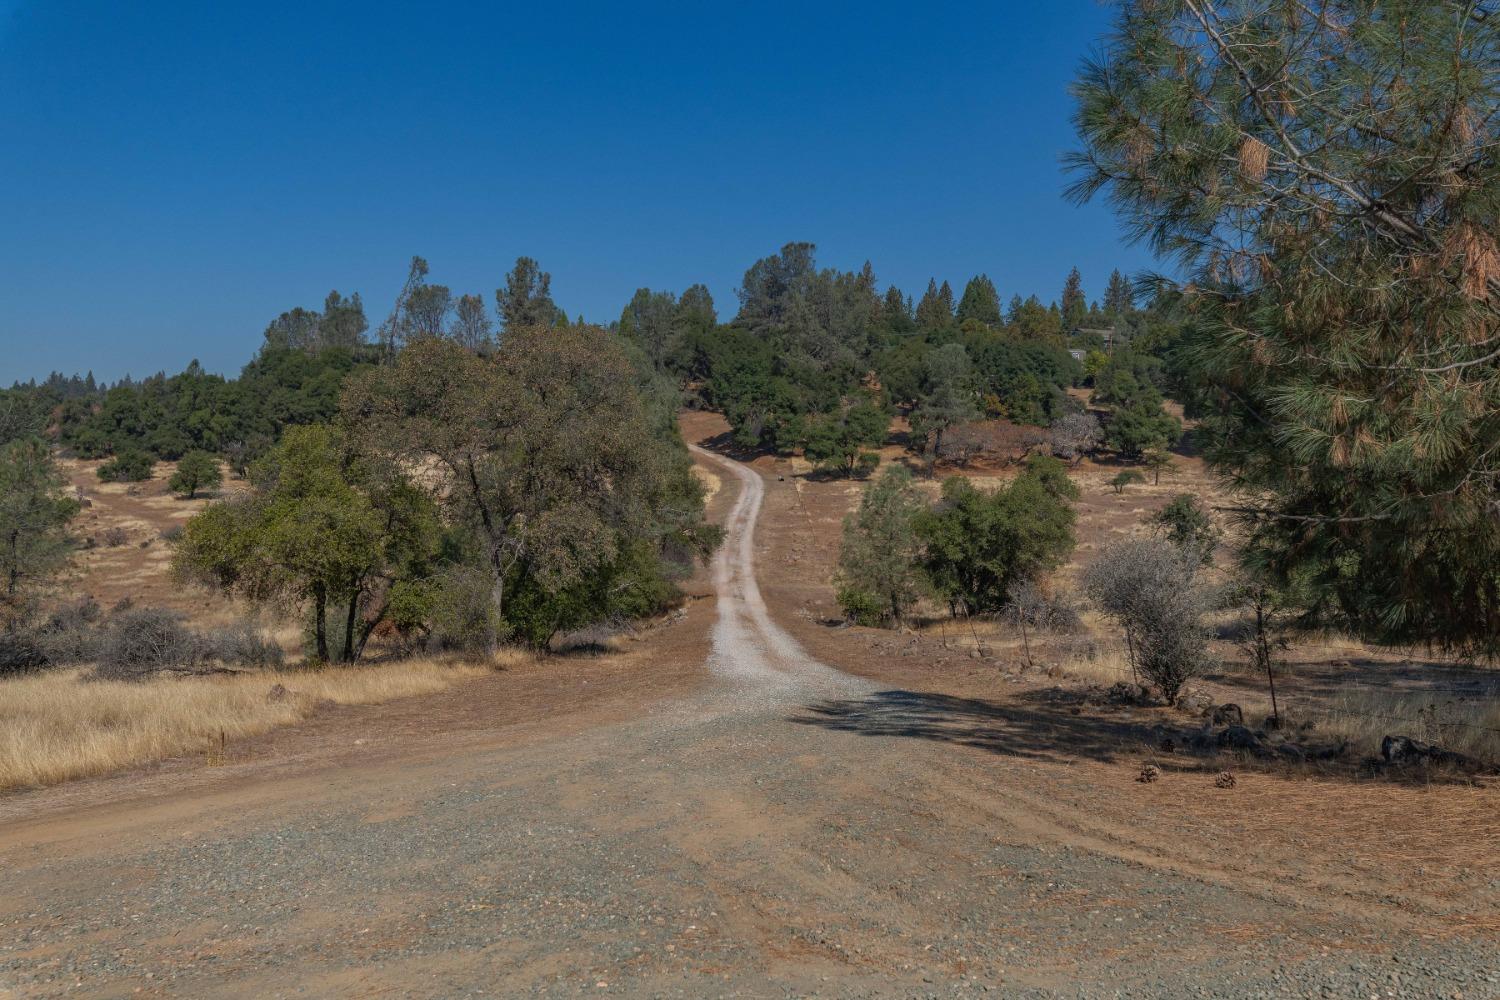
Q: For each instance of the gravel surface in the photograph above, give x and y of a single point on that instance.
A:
(719, 845)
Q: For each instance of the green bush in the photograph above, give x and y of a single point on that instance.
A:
(862, 607)
(128, 467)
(197, 470)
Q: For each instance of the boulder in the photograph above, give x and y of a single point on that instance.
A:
(1228, 714)
(1239, 738)
(1403, 750)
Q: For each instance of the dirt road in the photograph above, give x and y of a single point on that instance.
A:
(772, 828)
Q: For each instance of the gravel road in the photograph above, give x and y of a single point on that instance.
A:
(721, 844)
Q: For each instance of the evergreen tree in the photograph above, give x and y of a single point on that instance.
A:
(526, 299)
(197, 470)
(1074, 304)
(878, 577)
(935, 311)
(981, 302)
(1323, 175)
(34, 513)
(896, 312)
(696, 315)
(321, 527)
(471, 328)
(343, 322)
(840, 442)
(1119, 297)
(947, 396)
(650, 319)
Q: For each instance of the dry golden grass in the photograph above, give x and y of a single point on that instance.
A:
(1104, 665)
(61, 725)
(1466, 722)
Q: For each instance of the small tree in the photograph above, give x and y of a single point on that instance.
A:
(1185, 522)
(34, 515)
(979, 545)
(1157, 459)
(321, 528)
(197, 470)
(1149, 587)
(127, 467)
(1126, 478)
(947, 397)
(839, 442)
(878, 576)
(1140, 426)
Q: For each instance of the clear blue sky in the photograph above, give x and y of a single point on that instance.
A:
(175, 174)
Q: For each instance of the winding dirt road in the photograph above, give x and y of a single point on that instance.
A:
(769, 829)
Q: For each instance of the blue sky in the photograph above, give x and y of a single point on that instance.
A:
(175, 174)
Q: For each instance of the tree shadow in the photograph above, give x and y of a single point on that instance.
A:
(1057, 727)
(1035, 732)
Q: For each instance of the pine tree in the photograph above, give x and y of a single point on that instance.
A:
(1074, 304)
(935, 311)
(947, 396)
(1119, 297)
(35, 509)
(878, 577)
(1324, 176)
(526, 299)
(980, 302)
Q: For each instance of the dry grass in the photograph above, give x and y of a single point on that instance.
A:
(1465, 721)
(1104, 665)
(61, 725)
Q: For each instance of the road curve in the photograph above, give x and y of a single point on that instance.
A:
(749, 649)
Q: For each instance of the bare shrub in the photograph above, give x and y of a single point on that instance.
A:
(1031, 609)
(1044, 611)
(143, 641)
(243, 645)
(994, 440)
(1150, 588)
(20, 652)
(1075, 435)
(114, 537)
(71, 634)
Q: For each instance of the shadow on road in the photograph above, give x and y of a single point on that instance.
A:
(1015, 730)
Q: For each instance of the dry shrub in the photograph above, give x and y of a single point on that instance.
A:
(71, 634)
(1150, 588)
(145, 640)
(142, 641)
(1075, 435)
(989, 439)
(20, 652)
(115, 537)
(62, 724)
